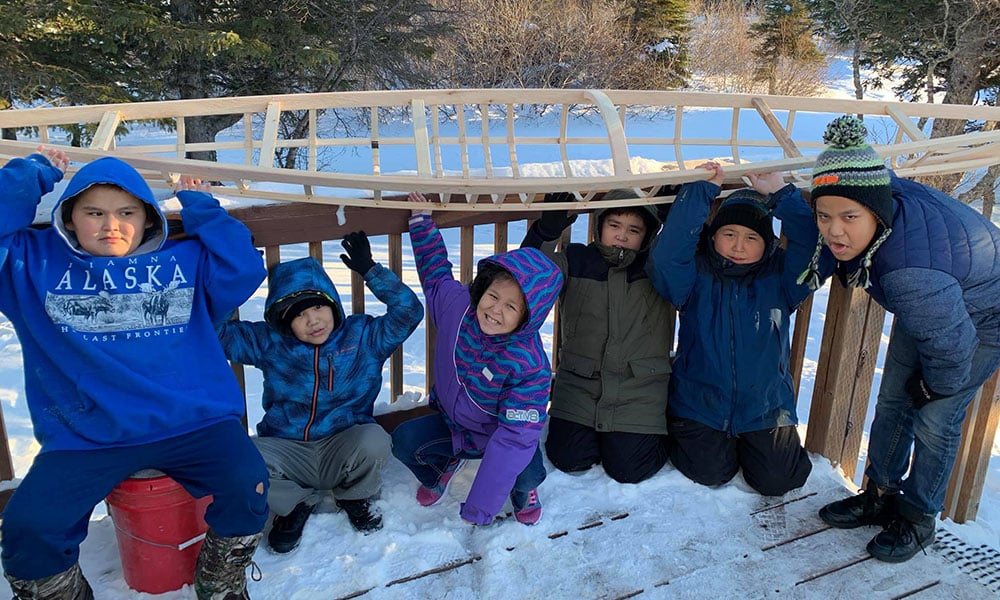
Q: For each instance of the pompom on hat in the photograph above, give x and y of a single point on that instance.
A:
(850, 168)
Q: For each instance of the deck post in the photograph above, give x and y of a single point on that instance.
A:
(965, 487)
(851, 335)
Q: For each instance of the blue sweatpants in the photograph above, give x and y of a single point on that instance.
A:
(46, 518)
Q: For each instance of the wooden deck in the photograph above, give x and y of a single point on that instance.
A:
(754, 548)
(647, 546)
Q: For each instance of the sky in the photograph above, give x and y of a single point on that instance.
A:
(664, 537)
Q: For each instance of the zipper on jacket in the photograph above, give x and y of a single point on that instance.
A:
(315, 394)
(732, 354)
(329, 373)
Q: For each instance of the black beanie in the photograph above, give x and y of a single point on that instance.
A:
(291, 307)
(748, 208)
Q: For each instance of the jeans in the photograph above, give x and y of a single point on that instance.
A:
(424, 446)
(933, 433)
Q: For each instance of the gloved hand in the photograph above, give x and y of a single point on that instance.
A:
(359, 252)
(920, 392)
(670, 189)
(552, 222)
(662, 210)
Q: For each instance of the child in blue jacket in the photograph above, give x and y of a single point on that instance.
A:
(934, 263)
(732, 405)
(491, 377)
(123, 370)
(322, 374)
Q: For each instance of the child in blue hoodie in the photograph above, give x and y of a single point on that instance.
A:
(491, 377)
(123, 370)
(322, 373)
(732, 404)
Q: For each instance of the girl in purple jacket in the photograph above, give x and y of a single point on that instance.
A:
(491, 377)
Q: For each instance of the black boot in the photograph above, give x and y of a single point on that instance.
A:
(68, 585)
(362, 514)
(286, 531)
(221, 571)
(867, 508)
(909, 532)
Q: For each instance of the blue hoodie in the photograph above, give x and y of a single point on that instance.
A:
(312, 392)
(121, 351)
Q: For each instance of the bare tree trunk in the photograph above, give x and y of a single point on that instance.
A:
(989, 185)
(191, 82)
(962, 84)
(859, 89)
(986, 189)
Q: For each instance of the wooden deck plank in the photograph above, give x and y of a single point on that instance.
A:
(677, 558)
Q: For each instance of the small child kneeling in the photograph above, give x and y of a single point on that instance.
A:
(491, 377)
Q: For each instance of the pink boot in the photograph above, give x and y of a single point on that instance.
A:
(428, 496)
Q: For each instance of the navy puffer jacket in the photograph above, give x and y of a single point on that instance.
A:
(938, 272)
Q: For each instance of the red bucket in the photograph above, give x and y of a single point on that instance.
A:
(160, 529)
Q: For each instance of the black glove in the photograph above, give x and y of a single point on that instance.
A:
(670, 189)
(552, 222)
(920, 392)
(662, 210)
(359, 252)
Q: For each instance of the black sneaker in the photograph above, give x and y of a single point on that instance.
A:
(362, 514)
(902, 539)
(286, 531)
(867, 508)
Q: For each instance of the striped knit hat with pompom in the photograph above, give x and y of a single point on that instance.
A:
(849, 167)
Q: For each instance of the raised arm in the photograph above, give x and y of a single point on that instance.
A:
(671, 266)
(403, 309)
(431, 256)
(234, 268)
(23, 182)
(545, 232)
(798, 225)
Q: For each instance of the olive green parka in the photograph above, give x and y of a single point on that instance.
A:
(615, 334)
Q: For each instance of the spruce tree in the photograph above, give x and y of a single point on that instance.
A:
(785, 30)
(69, 52)
(663, 26)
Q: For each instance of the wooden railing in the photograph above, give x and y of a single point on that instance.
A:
(488, 186)
(846, 364)
(466, 145)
